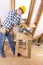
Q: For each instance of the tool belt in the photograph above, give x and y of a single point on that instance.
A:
(4, 30)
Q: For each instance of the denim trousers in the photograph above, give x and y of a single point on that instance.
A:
(10, 40)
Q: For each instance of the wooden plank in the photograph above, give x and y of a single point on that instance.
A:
(12, 4)
(37, 18)
(31, 10)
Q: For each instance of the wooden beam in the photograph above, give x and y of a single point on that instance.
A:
(12, 4)
(31, 10)
(38, 14)
(0, 22)
(38, 17)
(42, 4)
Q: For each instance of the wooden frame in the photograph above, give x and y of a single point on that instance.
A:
(12, 4)
(27, 21)
(38, 18)
(31, 10)
(28, 39)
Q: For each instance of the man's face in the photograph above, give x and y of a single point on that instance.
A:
(19, 12)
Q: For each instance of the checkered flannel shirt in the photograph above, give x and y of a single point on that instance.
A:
(12, 19)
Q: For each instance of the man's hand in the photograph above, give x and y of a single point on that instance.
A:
(7, 30)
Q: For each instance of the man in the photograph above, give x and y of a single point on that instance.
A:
(11, 20)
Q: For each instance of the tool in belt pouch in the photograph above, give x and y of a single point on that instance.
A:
(3, 30)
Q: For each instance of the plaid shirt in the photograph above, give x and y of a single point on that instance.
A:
(11, 20)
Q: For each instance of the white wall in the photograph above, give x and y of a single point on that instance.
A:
(36, 8)
(4, 8)
(39, 29)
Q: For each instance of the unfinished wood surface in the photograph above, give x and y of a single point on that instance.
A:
(12, 4)
(28, 39)
(36, 57)
(38, 17)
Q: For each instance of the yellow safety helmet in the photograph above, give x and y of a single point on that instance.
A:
(23, 8)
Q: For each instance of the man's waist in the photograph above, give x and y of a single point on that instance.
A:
(5, 28)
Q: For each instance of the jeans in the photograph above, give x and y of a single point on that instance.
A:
(10, 39)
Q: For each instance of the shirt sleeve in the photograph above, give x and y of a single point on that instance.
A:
(19, 22)
(10, 16)
(10, 13)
